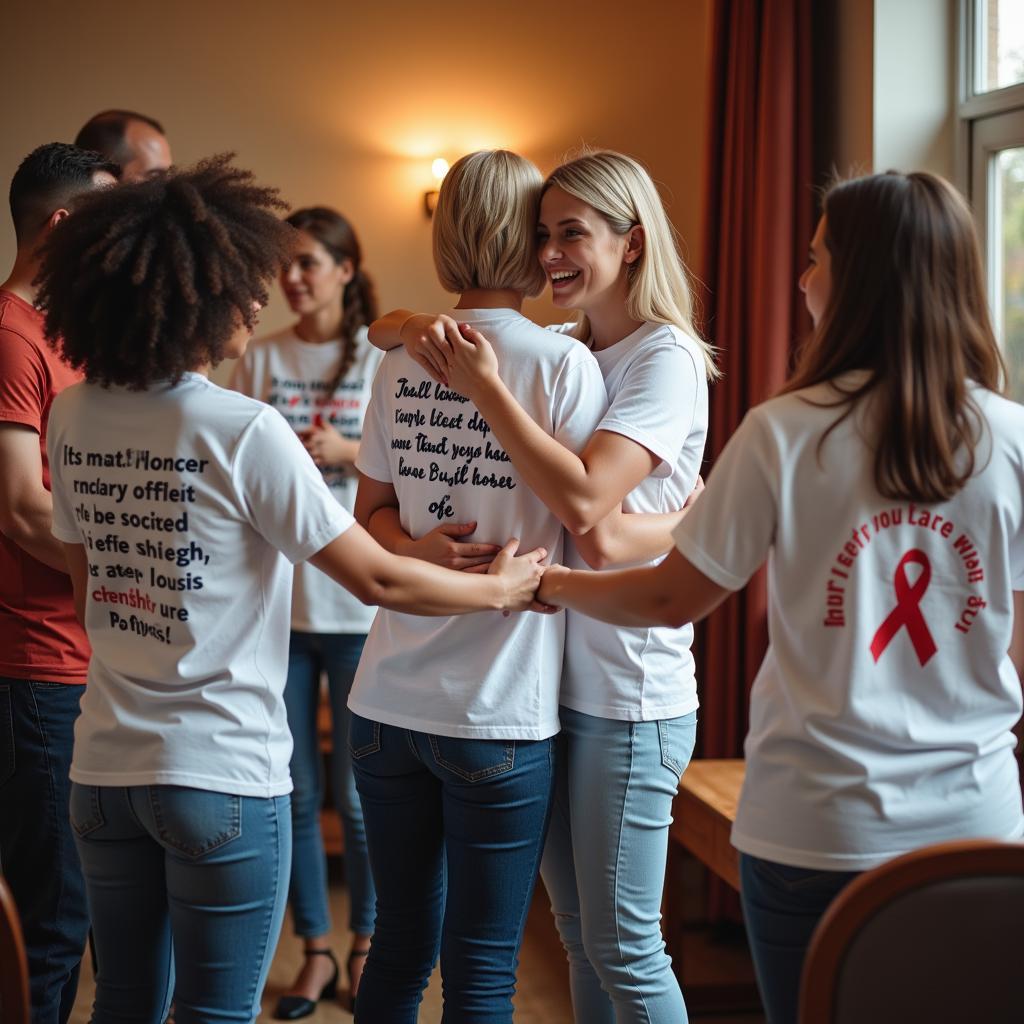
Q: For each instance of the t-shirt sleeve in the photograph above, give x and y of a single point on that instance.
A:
(656, 403)
(730, 528)
(284, 493)
(64, 525)
(372, 459)
(579, 402)
(23, 381)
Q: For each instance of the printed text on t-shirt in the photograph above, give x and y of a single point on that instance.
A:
(111, 510)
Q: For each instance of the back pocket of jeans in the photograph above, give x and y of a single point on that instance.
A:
(473, 760)
(363, 736)
(85, 810)
(195, 822)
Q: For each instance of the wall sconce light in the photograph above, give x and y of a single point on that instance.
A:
(439, 168)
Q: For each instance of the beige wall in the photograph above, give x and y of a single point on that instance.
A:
(895, 85)
(347, 104)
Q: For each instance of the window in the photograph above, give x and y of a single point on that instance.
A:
(991, 136)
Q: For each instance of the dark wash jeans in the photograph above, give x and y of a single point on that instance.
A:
(782, 906)
(37, 848)
(455, 830)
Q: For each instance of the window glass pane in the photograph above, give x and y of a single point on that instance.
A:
(1007, 264)
(1000, 57)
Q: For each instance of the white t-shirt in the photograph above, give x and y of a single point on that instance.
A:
(190, 501)
(293, 376)
(659, 398)
(880, 718)
(483, 675)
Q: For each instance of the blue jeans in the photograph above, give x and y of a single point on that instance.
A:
(187, 892)
(604, 863)
(456, 828)
(310, 654)
(782, 906)
(37, 848)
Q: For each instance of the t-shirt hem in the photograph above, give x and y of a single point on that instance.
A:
(541, 731)
(817, 860)
(44, 675)
(190, 780)
(649, 441)
(689, 549)
(21, 418)
(631, 714)
(346, 627)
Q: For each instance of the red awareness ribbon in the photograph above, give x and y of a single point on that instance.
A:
(908, 610)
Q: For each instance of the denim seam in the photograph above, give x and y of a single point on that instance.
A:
(95, 819)
(540, 847)
(254, 1006)
(484, 773)
(618, 864)
(58, 902)
(7, 695)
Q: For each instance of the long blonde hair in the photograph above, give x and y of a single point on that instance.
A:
(622, 192)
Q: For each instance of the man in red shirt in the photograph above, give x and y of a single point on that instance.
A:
(43, 649)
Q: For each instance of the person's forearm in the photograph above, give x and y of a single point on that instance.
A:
(412, 585)
(559, 477)
(671, 593)
(385, 527)
(624, 537)
(385, 332)
(29, 528)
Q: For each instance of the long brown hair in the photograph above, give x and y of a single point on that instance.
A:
(359, 299)
(907, 304)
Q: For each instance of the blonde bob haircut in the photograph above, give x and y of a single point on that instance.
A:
(485, 224)
(622, 192)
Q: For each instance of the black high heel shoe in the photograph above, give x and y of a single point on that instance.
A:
(296, 1007)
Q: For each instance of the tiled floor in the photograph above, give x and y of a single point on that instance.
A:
(542, 996)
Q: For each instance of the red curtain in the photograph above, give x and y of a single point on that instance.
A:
(760, 210)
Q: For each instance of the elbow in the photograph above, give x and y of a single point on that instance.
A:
(594, 553)
(370, 591)
(580, 516)
(673, 613)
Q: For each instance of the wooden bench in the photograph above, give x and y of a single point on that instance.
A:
(704, 811)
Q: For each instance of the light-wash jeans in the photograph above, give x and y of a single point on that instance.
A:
(186, 893)
(604, 863)
(337, 654)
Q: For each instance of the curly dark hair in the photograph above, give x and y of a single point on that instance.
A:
(147, 281)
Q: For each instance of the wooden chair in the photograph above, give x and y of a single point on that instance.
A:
(14, 995)
(936, 936)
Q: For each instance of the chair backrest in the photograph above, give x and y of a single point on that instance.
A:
(936, 935)
(14, 995)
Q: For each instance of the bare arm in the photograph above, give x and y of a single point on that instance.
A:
(580, 489)
(623, 537)
(377, 577)
(669, 594)
(377, 510)
(78, 569)
(420, 333)
(26, 507)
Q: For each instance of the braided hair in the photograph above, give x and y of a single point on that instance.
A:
(147, 281)
(359, 299)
